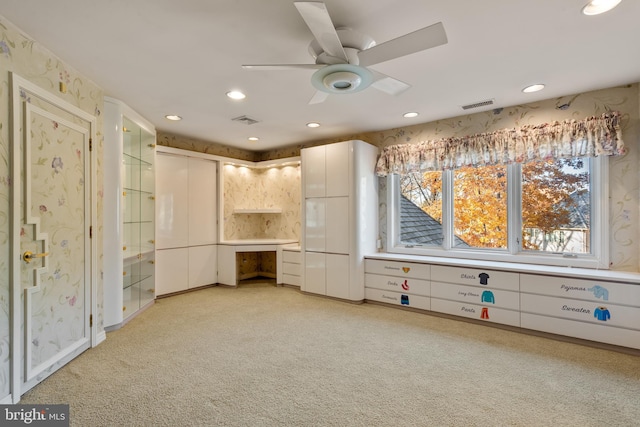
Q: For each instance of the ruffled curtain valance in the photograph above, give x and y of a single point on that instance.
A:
(593, 136)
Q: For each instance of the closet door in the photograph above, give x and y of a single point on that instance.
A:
(172, 198)
(202, 202)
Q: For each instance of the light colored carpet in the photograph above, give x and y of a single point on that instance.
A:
(261, 355)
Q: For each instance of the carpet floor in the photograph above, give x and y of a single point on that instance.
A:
(260, 355)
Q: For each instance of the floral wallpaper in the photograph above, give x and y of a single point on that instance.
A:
(251, 188)
(191, 144)
(27, 58)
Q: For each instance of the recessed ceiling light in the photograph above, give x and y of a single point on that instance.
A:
(533, 88)
(410, 114)
(172, 117)
(596, 7)
(253, 138)
(313, 125)
(236, 94)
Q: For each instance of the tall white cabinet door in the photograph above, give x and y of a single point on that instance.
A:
(203, 265)
(172, 198)
(202, 202)
(315, 273)
(337, 169)
(337, 225)
(172, 268)
(338, 276)
(314, 171)
(315, 224)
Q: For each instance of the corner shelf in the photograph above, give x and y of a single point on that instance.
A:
(258, 211)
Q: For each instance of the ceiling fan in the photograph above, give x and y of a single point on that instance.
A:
(342, 55)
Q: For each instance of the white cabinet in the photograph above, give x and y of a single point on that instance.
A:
(289, 266)
(172, 213)
(129, 205)
(340, 208)
(186, 215)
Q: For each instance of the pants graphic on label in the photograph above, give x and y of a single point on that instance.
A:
(484, 314)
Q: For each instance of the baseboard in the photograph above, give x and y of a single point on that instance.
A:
(101, 336)
(7, 400)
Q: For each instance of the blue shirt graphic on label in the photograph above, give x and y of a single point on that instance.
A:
(484, 278)
(487, 296)
(602, 313)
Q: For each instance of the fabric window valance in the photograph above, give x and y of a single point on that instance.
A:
(593, 136)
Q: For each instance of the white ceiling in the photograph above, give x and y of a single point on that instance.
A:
(181, 57)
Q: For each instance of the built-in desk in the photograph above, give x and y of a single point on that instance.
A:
(229, 249)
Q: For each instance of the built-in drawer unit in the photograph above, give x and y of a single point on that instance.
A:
(400, 283)
(486, 295)
(589, 309)
(291, 267)
(579, 303)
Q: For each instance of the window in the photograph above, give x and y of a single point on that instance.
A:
(541, 212)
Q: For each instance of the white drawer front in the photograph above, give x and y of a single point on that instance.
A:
(585, 311)
(592, 290)
(573, 328)
(476, 295)
(474, 311)
(291, 256)
(397, 298)
(294, 269)
(397, 284)
(291, 279)
(475, 276)
(397, 268)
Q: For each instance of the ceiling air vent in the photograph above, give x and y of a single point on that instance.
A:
(244, 119)
(478, 104)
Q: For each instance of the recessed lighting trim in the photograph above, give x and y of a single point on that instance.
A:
(172, 117)
(410, 114)
(596, 7)
(533, 88)
(236, 94)
(313, 125)
(253, 138)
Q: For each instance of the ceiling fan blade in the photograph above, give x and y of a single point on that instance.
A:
(283, 66)
(387, 84)
(417, 41)
(317, 18)
(318, 97)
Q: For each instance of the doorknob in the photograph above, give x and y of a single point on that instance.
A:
(28, 256)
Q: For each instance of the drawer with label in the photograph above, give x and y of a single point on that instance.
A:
(474, 311)
(476, 295)
(585, 311)
(397, 284)
(397, 298)
(475, 276)
(592, 290)
(397, 268)
(573, 328)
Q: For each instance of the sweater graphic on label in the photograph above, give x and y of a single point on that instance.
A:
(487, 296)
(602, 313)
(600, 292)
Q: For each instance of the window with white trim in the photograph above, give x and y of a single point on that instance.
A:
(550, 212)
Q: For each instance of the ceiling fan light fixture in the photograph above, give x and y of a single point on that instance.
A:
(342, 78)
